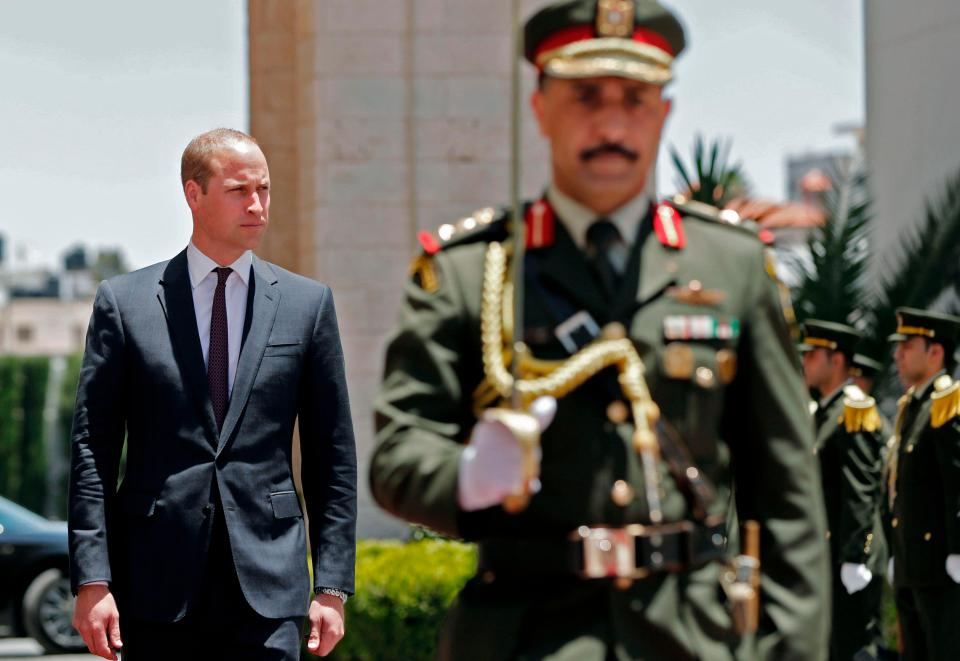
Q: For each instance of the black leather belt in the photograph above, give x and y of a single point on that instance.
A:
(634, 551)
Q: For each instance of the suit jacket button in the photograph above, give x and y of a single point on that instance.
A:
(207, 509)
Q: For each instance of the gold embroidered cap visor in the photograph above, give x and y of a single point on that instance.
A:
(593, 38)
(608, 56)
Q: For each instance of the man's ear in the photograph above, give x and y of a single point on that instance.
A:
(936, 353)
(537, 104)
(192, 191)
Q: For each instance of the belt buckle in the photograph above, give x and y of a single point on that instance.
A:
(609, 553)
(581, 323)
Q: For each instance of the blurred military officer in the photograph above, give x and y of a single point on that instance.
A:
(923, 486)
(609, 560)
(864, 370)
(849, 446)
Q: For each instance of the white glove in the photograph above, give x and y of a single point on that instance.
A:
(953, 567)
(890, 571)
(491, 467)
(854, 577)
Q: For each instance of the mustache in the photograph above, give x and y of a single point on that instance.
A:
(609, 148)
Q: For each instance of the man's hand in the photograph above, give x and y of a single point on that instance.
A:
(96, 617)
(326, 624)
(953, 567)
(491, 467)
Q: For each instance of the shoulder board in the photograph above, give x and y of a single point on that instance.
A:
(859, 411)
(725, 217)
(490, 224)
(668, 226)
(945, 401)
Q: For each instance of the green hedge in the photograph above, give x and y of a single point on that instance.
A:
(403, 593)
(23, 464)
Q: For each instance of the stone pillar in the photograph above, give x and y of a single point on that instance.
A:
(380, 118)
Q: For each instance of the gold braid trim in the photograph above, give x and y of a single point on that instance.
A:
(861, 416)
(422, 267)
(558, 378)
(893, 449)
(945, 405)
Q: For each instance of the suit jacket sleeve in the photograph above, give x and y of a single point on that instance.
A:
(777, 480)
(97, 440)
(860, 493)
(328, 452)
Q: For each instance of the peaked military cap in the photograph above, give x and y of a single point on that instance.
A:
(865, 366)
(937, 326)
(829, 335)
(636, 39)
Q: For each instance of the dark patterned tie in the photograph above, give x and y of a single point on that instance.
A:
(218, 354)
(603, 235)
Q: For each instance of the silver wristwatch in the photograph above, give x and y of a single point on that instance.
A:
(336, 592)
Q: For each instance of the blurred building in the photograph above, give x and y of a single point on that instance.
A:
(44, 312)
(912, 90)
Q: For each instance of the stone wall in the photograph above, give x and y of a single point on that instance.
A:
(379, 118)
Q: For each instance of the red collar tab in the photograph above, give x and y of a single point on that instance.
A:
(428, 242)
(540, 224)
(576, 33)
(668, 226)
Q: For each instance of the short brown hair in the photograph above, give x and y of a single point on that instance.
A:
(195, 162)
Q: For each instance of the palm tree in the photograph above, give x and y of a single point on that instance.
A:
(713, 179)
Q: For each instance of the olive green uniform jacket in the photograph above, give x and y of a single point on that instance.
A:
(924, 523)
(851, 466)
(747, 427)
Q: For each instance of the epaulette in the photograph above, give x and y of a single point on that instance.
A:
(483, 225)
(859, 411)
(725, 217)
(945, 401)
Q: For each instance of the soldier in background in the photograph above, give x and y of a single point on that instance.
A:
(923, 486)
(864, 370)
(609, 560)
(849, 445)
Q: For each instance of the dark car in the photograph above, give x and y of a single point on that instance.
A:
(35, 598)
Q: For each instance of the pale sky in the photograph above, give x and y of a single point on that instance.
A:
(98, 99)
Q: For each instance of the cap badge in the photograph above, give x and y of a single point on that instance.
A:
(614, 18)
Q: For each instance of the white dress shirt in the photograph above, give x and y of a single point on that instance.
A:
(204, 283)
(578, 219)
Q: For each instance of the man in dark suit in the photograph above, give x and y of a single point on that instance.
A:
(204, 363)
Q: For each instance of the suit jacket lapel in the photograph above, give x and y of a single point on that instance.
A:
(564, 269)
(263, 297)
(176, 298)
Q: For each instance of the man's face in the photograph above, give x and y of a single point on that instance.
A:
(603, 133)
(231, 217)
(916, 361)
(816, 368)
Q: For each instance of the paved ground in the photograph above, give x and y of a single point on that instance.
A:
(27, 649)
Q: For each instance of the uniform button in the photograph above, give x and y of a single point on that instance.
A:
(622, 583)
(814, 452)
(927, 536)
(829, 534)
(488, 577)
(895, 522)
(621, 493)
(617, 412)
(909, 449)
(704, 376)
(692, 473)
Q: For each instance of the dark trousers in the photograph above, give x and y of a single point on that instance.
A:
(930, 619)
(856, 619)
(219, 624)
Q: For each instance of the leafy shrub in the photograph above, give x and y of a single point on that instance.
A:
(403, 593)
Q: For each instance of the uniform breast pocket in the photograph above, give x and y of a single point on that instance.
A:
(282, 347)
(692, 377)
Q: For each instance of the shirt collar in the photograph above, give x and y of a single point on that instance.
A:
(828, 400)
(200, 266)
(577, 218)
